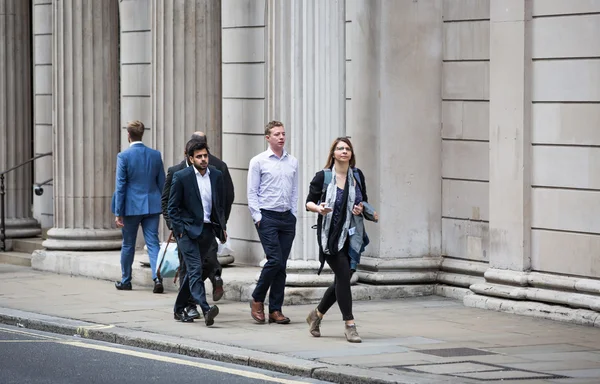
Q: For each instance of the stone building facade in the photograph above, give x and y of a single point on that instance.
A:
(475, 122)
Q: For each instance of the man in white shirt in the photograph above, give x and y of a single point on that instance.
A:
(196, 211)
(273, 204)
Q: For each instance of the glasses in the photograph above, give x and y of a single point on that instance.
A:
(348, 149)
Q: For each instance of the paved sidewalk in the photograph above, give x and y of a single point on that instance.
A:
(417, 340)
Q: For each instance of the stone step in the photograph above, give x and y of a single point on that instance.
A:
(240, 281)
(27, 245)
(16, 258)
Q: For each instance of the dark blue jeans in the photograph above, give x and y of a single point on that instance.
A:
(193, 282)
(276, 231)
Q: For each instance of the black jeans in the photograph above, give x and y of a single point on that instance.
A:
(340, 289)
(276, 231)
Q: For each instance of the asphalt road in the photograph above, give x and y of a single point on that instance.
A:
(33, 357)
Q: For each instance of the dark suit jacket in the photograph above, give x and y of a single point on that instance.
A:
(185, 204)
(227, 182)
(164, 200)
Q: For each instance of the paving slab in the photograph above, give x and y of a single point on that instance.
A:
(395, 333)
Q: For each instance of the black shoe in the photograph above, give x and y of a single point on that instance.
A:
(192, 312)
(209, 316)
(218, 288)
(123, 287)
(158, 287)
(183, 316)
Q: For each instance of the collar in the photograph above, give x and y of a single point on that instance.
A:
(197, 172)
(271, 153)
(135, 142)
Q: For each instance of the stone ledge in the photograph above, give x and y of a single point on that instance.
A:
(533, 309)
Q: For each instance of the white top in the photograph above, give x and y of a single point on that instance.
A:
(205, 192)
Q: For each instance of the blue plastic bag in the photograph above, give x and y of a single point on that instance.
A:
(168, 261)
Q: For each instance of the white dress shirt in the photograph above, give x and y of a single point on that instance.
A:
(134, 143)
(272, 183)
(205, 192)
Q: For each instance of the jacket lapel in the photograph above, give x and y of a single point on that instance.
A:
(194, 181)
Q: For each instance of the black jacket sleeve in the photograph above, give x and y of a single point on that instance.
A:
(364, 186)
(164, 199)
(316, 188)
(229, 191)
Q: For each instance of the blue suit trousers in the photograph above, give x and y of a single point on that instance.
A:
(150, 229)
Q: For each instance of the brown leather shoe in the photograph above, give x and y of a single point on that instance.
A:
(257, 311)
(277, 317)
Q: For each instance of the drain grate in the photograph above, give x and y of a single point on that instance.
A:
(455, 352)
(479, 371)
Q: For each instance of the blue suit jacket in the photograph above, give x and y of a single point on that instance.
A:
(140, 180)
(185, 203)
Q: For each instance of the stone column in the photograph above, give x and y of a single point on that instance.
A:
(395, 125)
(510, 136)
(43, 207)
(306, 91)
(15, 116)
(186, 79)
(86, 123)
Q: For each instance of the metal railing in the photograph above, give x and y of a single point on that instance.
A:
(3, 192)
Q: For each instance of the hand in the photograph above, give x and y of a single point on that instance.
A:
(357, 210)
(258, 224)
(224, 241)
(376, 216)
(173, 240)
(119, 221)
(322, 209)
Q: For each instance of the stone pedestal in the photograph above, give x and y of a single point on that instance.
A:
(86, 123)
(395, 127)
(15, 117)
(306, 91)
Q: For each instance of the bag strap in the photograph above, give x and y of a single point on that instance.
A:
(163, 256)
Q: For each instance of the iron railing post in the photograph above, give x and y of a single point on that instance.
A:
(2, 223)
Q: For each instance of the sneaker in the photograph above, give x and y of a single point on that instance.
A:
(192, 312)
(314, 323)
(352, 334)
(183, 316)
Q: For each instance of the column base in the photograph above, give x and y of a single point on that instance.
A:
(226, 259)
(20, 228)
(75, 239)
(377, 271)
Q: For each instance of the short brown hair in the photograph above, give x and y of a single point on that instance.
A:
(331, 158)
(271, 125)
(136, 130)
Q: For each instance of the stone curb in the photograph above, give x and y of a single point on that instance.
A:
(206, 350)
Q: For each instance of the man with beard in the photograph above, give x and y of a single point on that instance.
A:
(196, 213)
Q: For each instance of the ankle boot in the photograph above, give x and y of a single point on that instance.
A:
(314, 323)
(352, 334)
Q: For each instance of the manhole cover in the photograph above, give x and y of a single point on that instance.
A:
(455, 352)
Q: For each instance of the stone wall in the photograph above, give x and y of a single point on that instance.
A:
(465, 133)
(243, 42)
(565, 181)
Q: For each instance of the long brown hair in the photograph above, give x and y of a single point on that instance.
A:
(331, 158)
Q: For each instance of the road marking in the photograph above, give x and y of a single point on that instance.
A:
(167, 359)
(18, 332)
(29, 341)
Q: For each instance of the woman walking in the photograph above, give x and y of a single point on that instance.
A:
(339, 195)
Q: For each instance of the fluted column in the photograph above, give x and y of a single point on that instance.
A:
(86, 124)
(43, 209)
(186, 79)
(306, 91)
(15, 115)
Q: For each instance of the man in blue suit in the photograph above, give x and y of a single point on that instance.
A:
(197, 214)
(140, 180)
